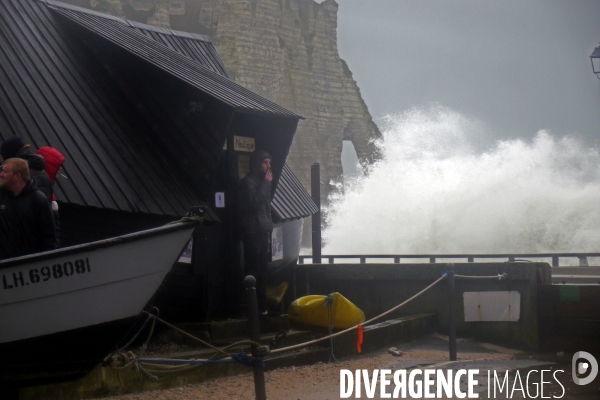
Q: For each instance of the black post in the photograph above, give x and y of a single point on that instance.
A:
(315, 188)
(233, 274)
(452, 311)
(252, 306)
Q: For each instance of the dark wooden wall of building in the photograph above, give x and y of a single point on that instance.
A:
(80, 225)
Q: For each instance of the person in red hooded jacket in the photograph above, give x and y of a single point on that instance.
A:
(54, 161)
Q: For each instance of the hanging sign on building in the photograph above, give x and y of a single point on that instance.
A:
(242, 143)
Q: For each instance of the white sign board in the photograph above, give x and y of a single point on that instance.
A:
(242, 143)
(277, 244)
(220, 199)
(186, 256)
(492, 306)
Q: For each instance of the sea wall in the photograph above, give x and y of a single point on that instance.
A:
(376, 288)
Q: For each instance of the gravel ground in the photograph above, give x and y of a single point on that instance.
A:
(322, 381)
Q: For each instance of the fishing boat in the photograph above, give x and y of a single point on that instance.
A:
(62, 311)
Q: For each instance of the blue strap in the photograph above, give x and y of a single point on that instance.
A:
(166, 361)
(243, 359)
(329, 299)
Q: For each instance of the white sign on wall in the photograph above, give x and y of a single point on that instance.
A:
(242, 143)
(277, 244)
(492, 306)
(220, 199)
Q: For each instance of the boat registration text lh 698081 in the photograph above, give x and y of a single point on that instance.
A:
(56, 271)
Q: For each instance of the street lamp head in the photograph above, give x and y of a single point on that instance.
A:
(595, 57)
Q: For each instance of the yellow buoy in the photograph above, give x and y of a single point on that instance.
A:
(312, 310)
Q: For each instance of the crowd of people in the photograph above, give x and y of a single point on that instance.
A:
(28, 208)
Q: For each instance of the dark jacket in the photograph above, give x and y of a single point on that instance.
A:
(254, 198)
(26, 223)
(37, 164)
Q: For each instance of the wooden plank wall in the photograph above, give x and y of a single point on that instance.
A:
(569, 317)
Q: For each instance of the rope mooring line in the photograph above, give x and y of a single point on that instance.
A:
(187, 334)
(153, 368)
(297, 346)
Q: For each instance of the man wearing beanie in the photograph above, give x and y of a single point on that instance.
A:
(255, 222)
(13, 147)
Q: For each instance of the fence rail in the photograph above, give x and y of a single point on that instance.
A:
(583, 257)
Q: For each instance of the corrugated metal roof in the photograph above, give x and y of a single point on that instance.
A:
(291, 200)
(53, 92)
(176, 64)
(195, 46)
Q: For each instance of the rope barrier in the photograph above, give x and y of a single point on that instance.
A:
(160, 369)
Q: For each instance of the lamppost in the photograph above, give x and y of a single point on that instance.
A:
(595, 58)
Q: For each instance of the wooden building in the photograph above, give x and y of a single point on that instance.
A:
(150, 125)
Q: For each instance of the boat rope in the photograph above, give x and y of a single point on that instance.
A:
(148, 319)
(187, 334)
(157, 370)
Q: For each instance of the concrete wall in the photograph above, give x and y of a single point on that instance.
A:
(375, 288)
(569, 317)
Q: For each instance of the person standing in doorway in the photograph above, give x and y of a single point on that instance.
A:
(255, 222)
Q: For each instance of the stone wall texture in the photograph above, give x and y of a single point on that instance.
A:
(285, 50)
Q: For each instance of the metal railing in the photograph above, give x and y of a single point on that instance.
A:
(583, 257)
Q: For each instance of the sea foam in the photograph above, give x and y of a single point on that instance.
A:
(437, 190)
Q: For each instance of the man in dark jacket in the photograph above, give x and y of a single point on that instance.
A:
(255, 221)
(13, 147)
(26, 222)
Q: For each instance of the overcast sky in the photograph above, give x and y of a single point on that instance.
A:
(518, 66)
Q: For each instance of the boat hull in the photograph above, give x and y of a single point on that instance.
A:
(63, 311)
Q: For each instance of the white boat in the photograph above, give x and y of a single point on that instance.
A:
(62, 311)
